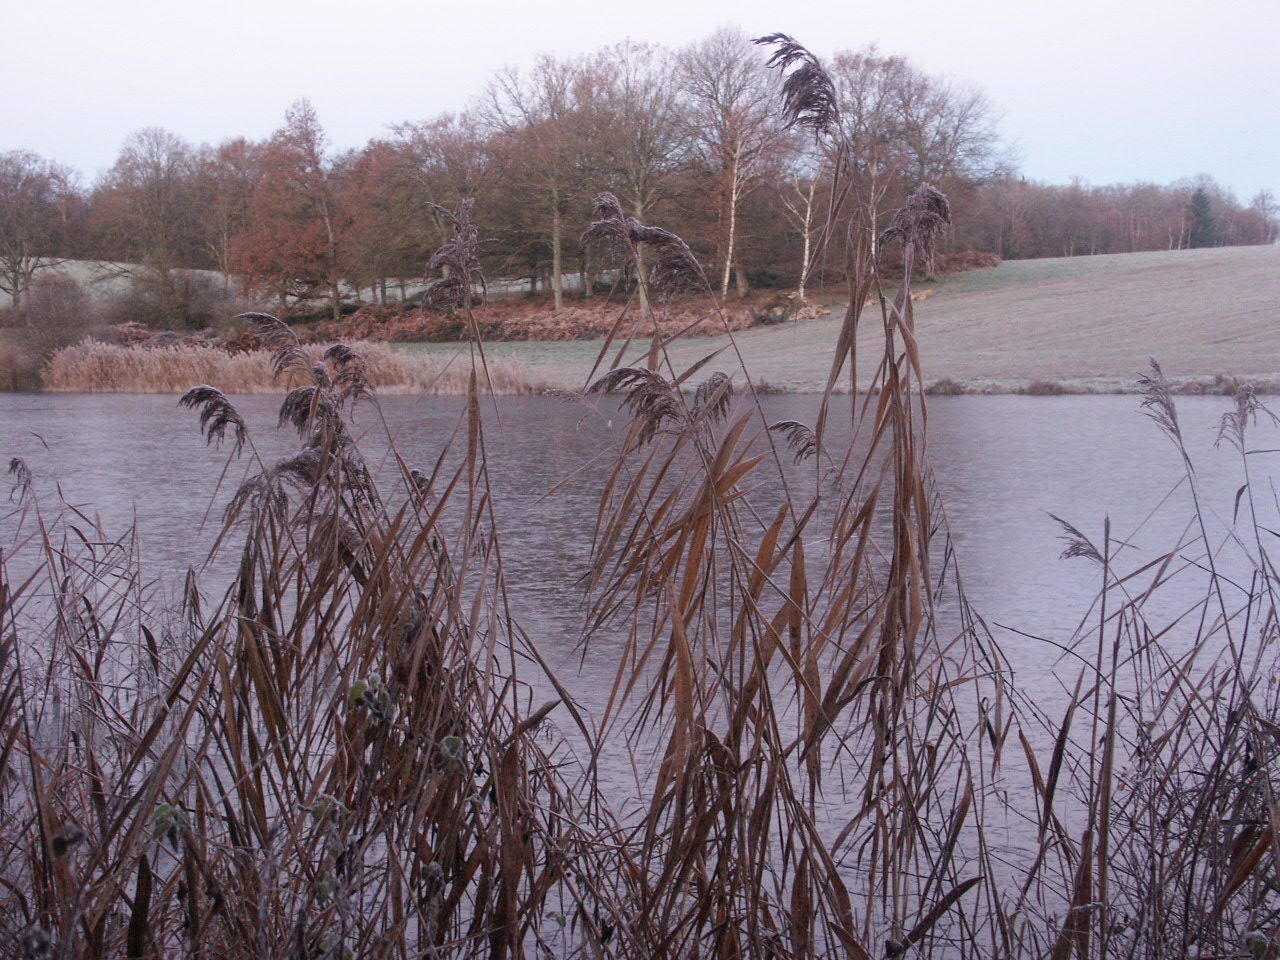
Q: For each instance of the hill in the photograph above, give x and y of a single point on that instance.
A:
(1087, 323)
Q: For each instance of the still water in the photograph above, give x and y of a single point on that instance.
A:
(1003, 465)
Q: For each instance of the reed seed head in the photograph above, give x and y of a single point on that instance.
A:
(1078, 545)
(1157, 402)
(310, 408)
(274, 334)
(216, 414)
(458, 257)
(921, 219)
(712, 399)
(650, 398)
(675, 268)
(263, 495)
(1245, 409)
(808, 93)
(801, 440)
(352, 376)
(22, 479)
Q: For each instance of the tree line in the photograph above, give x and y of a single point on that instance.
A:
(691, 138)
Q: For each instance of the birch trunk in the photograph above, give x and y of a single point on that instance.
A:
(733, 228)
(808, 242)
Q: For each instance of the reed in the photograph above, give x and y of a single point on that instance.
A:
(94, 367)
(352, 748)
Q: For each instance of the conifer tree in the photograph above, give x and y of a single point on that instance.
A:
(1201, 231)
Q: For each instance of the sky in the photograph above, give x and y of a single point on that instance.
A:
(1110, 91)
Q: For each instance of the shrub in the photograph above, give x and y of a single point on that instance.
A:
(1044, 388)
(56, 312)
(173, 299)
(946, 387)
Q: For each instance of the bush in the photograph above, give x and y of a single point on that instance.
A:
(1044, 388)
(946, 264)
(174, 300)
(946, 387)
(56, 313)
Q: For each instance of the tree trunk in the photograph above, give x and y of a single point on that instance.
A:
(733, 228)
(335, 291)
(740, 278)
(808, 243)
(557, 289)
(335, 299)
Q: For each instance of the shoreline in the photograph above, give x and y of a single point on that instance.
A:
(1206, 386)
(1080, 325)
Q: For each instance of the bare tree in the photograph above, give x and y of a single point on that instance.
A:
(146, 213)
(735, 125)
(225, 179)
(32, 218)
(1264, 205)
(798, 193)
(544, 128)
(640, 138)
(426, 169)
(642, 145)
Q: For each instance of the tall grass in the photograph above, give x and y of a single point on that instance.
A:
(353, 748)
(339, 752)
(93, 367)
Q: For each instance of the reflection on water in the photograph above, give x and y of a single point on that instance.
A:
(1002, 465)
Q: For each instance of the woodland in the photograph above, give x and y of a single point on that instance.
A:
(691, 138)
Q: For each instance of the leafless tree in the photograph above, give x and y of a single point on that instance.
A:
(33, 194)
(546, 133)
(735, 124)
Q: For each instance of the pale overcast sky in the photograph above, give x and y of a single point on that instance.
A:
(1112, 91)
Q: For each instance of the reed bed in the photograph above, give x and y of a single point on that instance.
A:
(353, 749)
(94, 367)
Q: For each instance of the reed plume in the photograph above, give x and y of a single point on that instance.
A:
(652, 400)
(674, 270)
(22, 479)
(274, 335)
(351, 376)
(800, 438)
(925, 215)
(808, 94)
(712, 399)
(217, 413)
(458, 257)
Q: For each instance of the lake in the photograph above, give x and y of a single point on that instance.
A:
(1002, 465)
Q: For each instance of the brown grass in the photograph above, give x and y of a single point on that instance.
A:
(1044, 388)
(93, 367)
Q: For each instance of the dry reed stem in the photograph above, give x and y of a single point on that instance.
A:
(341, 755)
